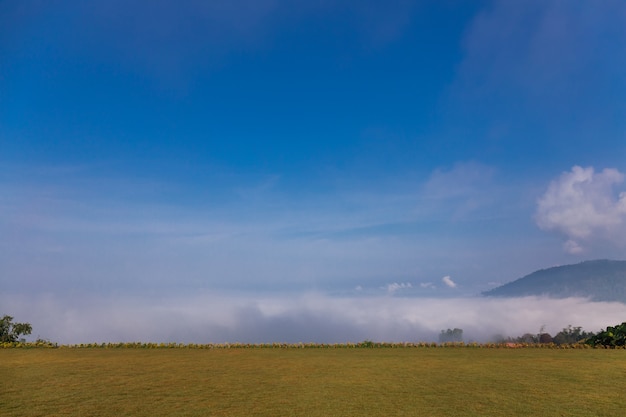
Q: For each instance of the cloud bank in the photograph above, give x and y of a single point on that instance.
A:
(582, 206)
(313, 317)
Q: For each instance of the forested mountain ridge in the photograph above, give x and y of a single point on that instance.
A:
(598, 280)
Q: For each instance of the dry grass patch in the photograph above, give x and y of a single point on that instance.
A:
(312, 382)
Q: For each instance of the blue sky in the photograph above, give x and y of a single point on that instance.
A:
(277, 149)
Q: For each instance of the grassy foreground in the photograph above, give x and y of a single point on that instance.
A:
(312, 382)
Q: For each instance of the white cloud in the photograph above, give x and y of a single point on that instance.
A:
(448, 281)
(582, 205)
(427, 285)
(392, 288)
(571, 246)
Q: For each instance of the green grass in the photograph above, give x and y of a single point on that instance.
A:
(312, 382)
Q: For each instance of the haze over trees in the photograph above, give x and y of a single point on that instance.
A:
(451, 335)
(567, 336)
(612, 337)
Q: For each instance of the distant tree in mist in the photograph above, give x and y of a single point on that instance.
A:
(571, 335)
(451, 335)
(545, 338)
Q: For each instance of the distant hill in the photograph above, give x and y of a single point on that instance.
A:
(600, 280)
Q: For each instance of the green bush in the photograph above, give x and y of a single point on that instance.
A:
(612, 337)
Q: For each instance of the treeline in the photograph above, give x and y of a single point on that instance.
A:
(613, 336)
(360, 345)
(568, 335)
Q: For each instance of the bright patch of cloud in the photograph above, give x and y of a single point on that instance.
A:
(427, 285)
(571, 246)
(582, 205)
(392, 288)
(448, 281)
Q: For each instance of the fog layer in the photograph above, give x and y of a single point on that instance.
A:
(313, 317)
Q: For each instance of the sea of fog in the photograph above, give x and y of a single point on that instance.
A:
(292, 318)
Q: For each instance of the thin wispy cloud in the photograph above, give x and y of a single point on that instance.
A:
(463, 180)
(537, 51)
(464, 190)
(173, 44)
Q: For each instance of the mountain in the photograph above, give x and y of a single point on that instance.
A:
(599, 280)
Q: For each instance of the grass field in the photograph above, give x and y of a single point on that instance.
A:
(312, 382)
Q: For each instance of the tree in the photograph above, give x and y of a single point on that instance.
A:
(613, 336)
(451, 335)
(571, 335)
(545, 338)
(528, 338)
(11, 332)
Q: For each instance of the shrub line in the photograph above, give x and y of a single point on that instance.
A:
(348, 345)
